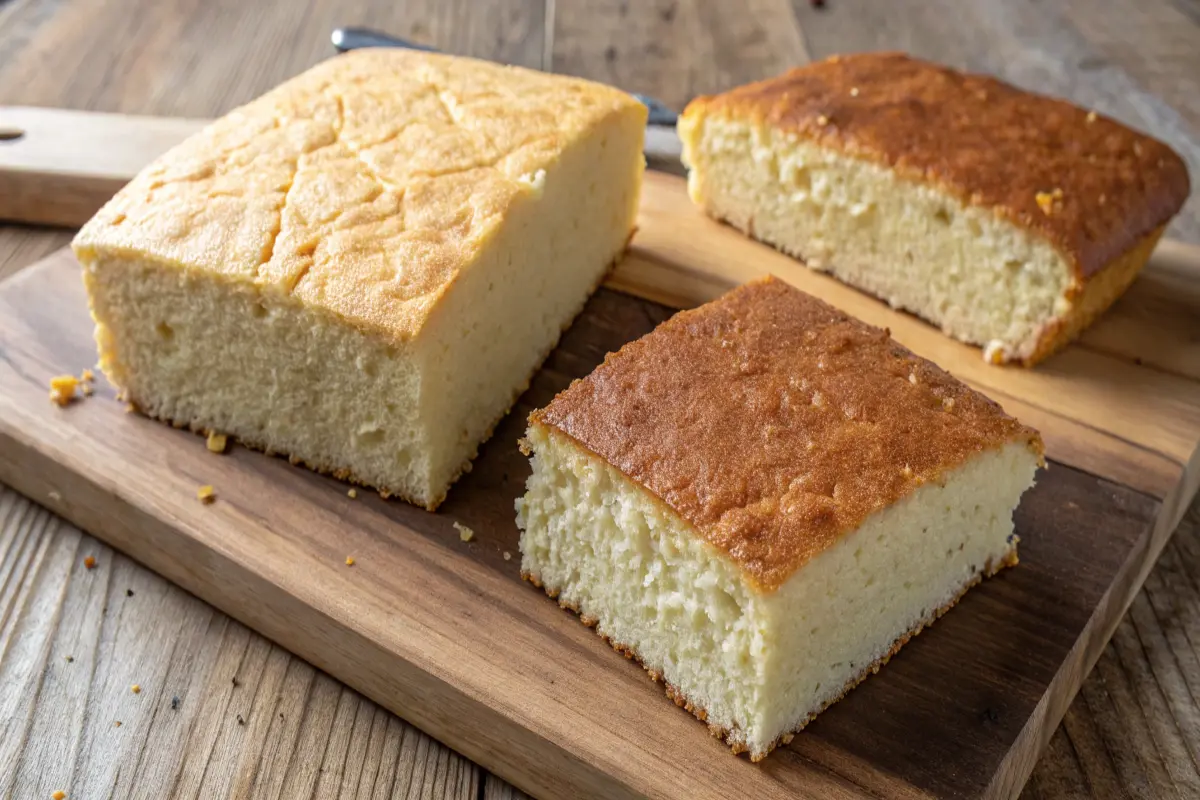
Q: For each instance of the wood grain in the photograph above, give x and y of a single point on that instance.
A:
(1121, 737)
(446, 635)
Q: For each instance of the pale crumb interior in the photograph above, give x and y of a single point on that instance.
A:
(405, 417)
(760, 664)
(982, 279)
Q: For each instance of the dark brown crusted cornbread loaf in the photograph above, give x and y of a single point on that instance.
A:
(763, 500)
(1007, 218)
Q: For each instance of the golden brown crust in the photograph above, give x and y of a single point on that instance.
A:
(1094, 299)
(1103, 187)
(360, 187)
(734, 739)
(775, 423)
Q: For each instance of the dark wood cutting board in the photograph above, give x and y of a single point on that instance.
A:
(445, 634)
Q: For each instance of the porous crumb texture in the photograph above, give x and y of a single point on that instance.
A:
(762, 498)
(735, 739)
(363, 268)
(1009, 219)
(757, 666)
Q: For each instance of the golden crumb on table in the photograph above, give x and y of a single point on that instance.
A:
(349, 561)
(88, 390)
(58, 795)
(136, 688)
(87, 375)
(464, 533)
(352, 493)
(89, 562)
(216, 442)
(117, 723)
(206, 494)
(62, 389)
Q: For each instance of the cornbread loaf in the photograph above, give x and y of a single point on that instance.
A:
(763, 499)
(1009, 219)
(363, 268)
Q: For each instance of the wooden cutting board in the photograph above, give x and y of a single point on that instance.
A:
(445, 634)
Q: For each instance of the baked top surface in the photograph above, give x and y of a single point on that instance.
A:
(1103, 186)
(361, 186)
(774, 423)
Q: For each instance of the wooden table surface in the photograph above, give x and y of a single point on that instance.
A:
(223, 712)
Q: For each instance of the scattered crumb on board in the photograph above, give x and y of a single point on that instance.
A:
(352, 493)
(464, 533)
(62, 389)
(216, 442)
(206, 494)
(507, 556)
(89, 562)
(136, 688)
(349, 561)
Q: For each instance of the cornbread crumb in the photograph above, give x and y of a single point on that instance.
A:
(352, 493)
(59, 795)
(89, 562)
(55, 496)
(1091, 117)
(507, 556)
(88, 375)
(136, 688)
(117, 723)
(349, 561)
(206, 494)
(62, 389)
(87, 389)
(1050, 202)
(216, 442)
(464, 533)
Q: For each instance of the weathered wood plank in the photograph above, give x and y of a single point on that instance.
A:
(202, 61)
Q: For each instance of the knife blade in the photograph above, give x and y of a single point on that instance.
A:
(58, 167)
(662, 145)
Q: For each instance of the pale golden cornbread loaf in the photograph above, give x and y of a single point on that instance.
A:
(1009, 219)
(362, 268)
(763, 499)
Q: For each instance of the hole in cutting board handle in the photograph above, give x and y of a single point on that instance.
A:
(8, 134)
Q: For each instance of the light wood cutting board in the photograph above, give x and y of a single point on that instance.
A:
(445, 634)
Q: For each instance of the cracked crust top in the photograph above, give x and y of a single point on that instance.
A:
(774, 423)
(360, 187)
(1091, 186)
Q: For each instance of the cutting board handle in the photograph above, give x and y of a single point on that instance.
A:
(57, 167)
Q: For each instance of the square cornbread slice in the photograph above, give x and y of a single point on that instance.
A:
(1009, 219)
(363, 268)
(763, 499)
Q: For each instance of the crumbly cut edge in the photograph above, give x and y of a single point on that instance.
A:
(1091, 299)
(726, 734)
(344, 474)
